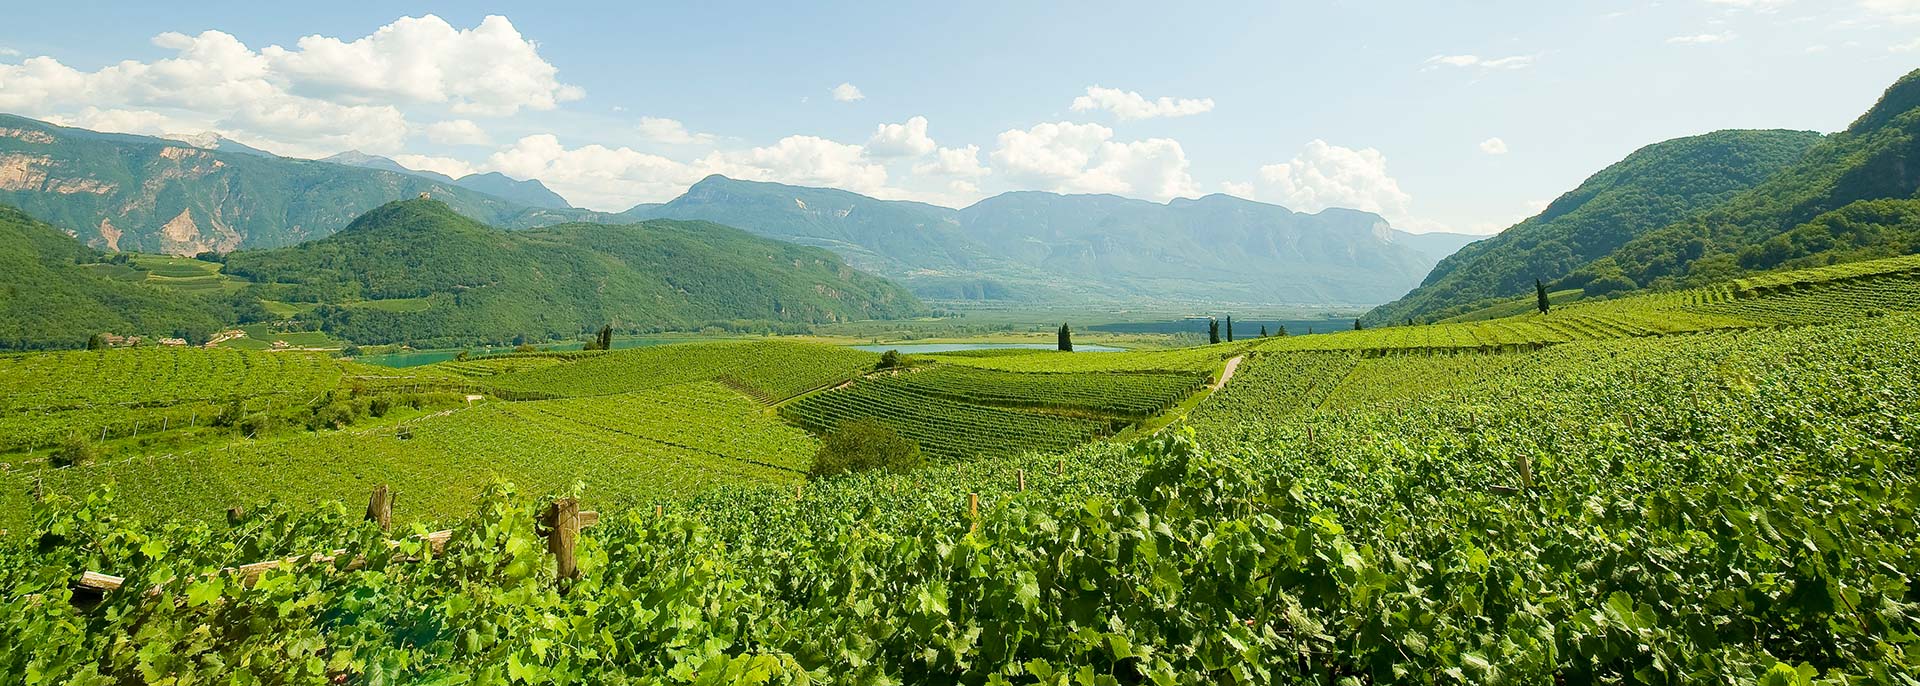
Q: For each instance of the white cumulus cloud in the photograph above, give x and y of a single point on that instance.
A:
(457, 132)
(1132, 105)
(1324, 176)
(1493, 146)
(847, 92)
(901, 140)
(963, 163)
(1083, 158)
(671, 132)
(489, 69)
(322, 96)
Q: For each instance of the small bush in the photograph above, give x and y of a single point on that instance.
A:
(888, 360)
(231, 414)
(74, 449)
(380, 406)
(334, 415)
(524, 348)
(255, 424)
(862, 444)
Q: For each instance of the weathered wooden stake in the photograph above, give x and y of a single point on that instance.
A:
(1023, 480)
(565, 517)
(1060, 468)
(164, 421)
(380, 507)
(1526, 472)
(796, 491)
(973, 510)
(659, 512)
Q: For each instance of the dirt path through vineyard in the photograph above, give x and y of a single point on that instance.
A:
(1227, 373)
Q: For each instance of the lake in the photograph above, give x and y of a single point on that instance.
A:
(922, 348)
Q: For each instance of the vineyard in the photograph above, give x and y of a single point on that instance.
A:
(943, 428)
(770, 371)
(624, 449)
(1734, 507)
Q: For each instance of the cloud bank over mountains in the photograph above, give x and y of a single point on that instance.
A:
(438, 97)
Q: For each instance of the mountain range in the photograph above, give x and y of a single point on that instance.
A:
(1701, 209)
(1037, 246)
(125, 192)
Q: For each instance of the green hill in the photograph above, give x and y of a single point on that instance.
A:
(417, 271)
(1653, 187)
(56, 293)
(1850, 197)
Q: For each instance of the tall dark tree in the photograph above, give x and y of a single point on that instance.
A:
(97, 342)
(1263, 331)
(1281, 330)
(1066, 338)
(1213, 331)
(1356, 325)
(1540, 296)
(1229, 328)
(606, 337)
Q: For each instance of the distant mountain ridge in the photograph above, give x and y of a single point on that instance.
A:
(1032, 245)
(530, 192)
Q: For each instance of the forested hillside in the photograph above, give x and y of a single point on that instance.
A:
(1850, 197)
(56, 293)
(417, 271)
(1651, 188)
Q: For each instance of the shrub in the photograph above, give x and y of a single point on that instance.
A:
(74, 449)
(231, 414)
(888, 360)
(380, 406)
(255, 424)
(863, 444)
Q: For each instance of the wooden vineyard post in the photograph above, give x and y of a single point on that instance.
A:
(973, 511)
(1022, 474)
(796, 491)
(235, 514)
(1060, 468)
(1526, 472)
(565, 519)
(659, 512)
(380, 507)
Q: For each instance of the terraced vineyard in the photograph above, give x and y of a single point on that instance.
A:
(625, 449)
(1121, 394)
(1197, 359)
(944, 428)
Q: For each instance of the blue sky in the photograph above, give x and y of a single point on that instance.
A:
(1457, 118)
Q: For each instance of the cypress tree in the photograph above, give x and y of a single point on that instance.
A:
(1213, 331)
(1540, 296)
(1229, 328)
(1066, 338)
(606, 337)
(1356, 325)
(1282, 330)
(1263, 331)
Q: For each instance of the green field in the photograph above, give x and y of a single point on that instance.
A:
(1716, 485)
